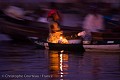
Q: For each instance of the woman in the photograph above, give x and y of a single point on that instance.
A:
(54, 21)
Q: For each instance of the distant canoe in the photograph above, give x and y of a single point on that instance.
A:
(103, 46)
(109, 46)
(21, 29)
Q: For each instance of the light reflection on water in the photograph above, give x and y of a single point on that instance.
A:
(25, 61)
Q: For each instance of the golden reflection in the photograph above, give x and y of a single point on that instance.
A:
(58, 64)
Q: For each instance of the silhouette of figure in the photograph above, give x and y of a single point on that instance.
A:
(54, 19)
(93, 22)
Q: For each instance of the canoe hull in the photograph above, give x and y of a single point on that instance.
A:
(59, 47)
(67, 47)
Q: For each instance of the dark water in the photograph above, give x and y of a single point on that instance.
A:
(25, 62)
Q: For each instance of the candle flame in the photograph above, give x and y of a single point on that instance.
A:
(61, 37)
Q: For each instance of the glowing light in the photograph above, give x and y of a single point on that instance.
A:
(61, 37)
(62, 51)
(61, 61)
(63, 40)
(61, 65)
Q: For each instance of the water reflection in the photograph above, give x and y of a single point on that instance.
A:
(59, 64)
(102, 66)
(25, 60)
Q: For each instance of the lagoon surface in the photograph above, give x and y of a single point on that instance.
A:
(21, 61)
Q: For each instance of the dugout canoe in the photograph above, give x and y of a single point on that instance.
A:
(41, 44)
